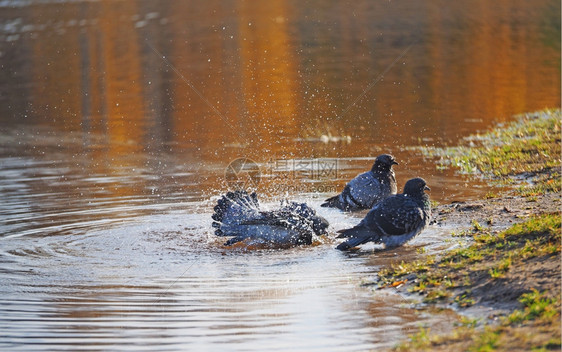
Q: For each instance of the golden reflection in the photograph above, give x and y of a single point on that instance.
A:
(269, 70)
(244, 68)
(122, 77)
(206, 60)
(478, 68)
(464, 67)
(94, 93)
(91, 69)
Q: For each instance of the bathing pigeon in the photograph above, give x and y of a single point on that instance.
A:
(238, 215)
(395, 220)
(368, 188)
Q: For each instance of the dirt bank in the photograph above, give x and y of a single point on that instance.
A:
(496, 215)
(506, 278)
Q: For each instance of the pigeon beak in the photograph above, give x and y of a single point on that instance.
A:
(427, 188)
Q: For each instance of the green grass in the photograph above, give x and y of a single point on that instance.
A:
(420, 339)
(524, 155)
(528, 148)
(528, 329)
(397, 270)
(537, 306)
(492, 253)
(449, 280)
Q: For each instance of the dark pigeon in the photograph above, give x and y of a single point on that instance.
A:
(238, 215)
(368, 188)
(394, 221)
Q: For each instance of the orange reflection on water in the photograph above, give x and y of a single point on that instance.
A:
(122, 78)
(268, 69)
(254, 78)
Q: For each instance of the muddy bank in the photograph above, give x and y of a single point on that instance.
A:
(497, 213)
(495, 297)
(504, 277)
(505, 281)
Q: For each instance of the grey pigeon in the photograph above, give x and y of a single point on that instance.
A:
(395, 220)
(368, 188)
(238, 215)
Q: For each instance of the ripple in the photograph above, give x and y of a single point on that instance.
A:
(141, 272)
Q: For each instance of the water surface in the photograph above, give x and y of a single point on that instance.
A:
(119, 118)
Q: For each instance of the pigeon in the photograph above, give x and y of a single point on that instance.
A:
(394, 221)
(368, 188)
(238, 215)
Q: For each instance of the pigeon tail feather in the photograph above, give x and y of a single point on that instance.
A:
(234, 208)
(332, 202)
(357, 231)
(352, 242)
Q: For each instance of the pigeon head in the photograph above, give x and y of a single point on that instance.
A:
(384, 162)
(415, 186)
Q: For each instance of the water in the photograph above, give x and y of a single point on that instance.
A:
(111, 158)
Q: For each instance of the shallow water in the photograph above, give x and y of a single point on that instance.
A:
(111, 158)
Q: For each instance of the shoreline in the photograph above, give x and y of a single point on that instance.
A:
(504, 280)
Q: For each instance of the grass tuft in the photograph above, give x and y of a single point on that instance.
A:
(450, 280)
(526, 155)
(525, 150)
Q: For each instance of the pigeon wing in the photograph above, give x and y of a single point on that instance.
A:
(396, 215)
(282, 218)
(232, 210)
(365, 189)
